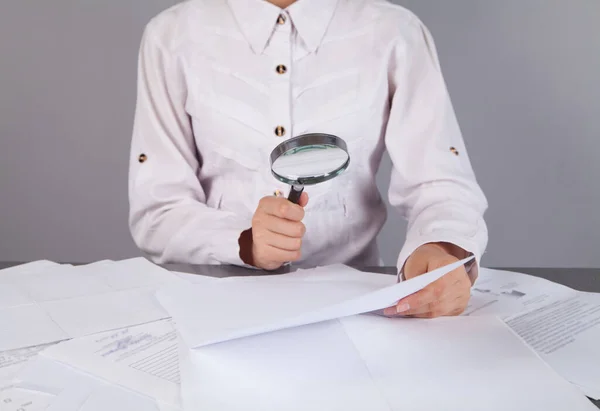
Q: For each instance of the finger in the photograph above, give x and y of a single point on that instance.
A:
(447, 287)
(270, 223)
(452, 304)
(281, 207)
(276, 255)
(427, 295)
(431, 310)
(283, 242)
(413, 301)
(303, 199)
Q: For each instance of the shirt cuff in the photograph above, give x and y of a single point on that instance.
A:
(218, 246)
(225, 249)
(470, 247)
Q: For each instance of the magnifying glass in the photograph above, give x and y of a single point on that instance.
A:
(309, 159)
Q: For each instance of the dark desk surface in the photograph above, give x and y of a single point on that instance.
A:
(583, 279)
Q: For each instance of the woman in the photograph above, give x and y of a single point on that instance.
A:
(222, 82)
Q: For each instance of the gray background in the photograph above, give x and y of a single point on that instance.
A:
(523, 75)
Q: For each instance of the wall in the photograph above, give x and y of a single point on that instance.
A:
(522, 75)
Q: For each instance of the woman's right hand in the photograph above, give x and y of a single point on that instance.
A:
(276, 234)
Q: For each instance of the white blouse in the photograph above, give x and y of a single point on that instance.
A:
(222, 82)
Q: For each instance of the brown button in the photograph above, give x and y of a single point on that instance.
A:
(454, 151)
(281, 19)
(281, 69)
(279, 131)
(142, 158)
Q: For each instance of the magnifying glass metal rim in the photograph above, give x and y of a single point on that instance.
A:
(308, 140)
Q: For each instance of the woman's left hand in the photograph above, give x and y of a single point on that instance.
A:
(447, 296)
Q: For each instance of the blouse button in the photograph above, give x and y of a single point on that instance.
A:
(142, 158)
(454, 151)
(281, 19)
(281, 69)
(279, 131)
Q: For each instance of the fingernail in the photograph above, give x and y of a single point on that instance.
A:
(389, 311)
(402, 308)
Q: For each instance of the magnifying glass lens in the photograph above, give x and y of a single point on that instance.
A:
(309, 159)
(310, 162)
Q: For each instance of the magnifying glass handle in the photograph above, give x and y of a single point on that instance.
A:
(295, 194)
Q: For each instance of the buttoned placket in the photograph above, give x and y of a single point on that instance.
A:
(279, 52)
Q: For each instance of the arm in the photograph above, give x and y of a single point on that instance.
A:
(432, 182)
(169, 219)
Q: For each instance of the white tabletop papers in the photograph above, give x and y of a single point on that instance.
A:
(284, 344)
(74, 390)
(561, 324)
(142, 358)
(51, 303)
(379, 364)
(288, 342)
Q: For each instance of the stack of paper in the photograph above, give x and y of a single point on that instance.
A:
(42, 303)
(58, 302)
(305, 340)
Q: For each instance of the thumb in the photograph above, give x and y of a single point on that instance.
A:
(303, 200)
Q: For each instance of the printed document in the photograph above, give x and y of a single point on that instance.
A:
(567, 335)
(561, 324)
(504, 293)
(142, 358)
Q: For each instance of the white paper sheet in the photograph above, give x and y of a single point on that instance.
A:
(561, 324)
(220, 311)
(142, 358)
(131, 274)
(11, 362)
(12, 296)
(49, 303)
(313, 367)
(458, 364)
(566, 334)
(19, 399)
(330, 273)
(75, 390)
(59, 283)
(92, 314)
(112, 398)
(27, 326)
(334, 272)
(196, 278)
(24, 269)
(369, 362)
